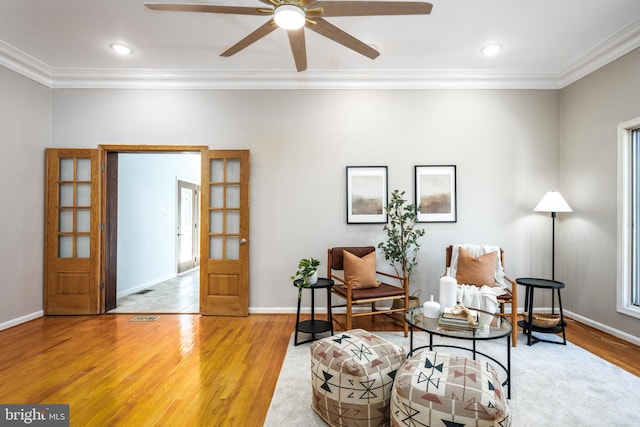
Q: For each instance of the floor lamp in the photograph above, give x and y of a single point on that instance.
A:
(553, 202)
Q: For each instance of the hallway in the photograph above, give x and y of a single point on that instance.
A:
(177, 295)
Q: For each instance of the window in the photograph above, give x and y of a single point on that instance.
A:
(628, 286)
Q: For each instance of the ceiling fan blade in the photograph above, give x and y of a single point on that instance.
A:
(334, 33)
(253, 37)
(235, 10)
(371, 8)
(298, 48)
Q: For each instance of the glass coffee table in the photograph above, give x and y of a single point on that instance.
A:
(498, 327)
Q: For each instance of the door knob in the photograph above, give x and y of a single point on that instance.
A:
(243, 241)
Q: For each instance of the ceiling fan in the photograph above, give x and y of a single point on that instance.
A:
(294, 15)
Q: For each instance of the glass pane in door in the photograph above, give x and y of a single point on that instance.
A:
(233, 170)
(82, 246)
(233, 197)
(215, 247)
(217, 196)
(66, 221)
(83, 170)
(65, 246)
(66, 169)
(66, 195)
(233, 248)
(217, 170)
(83, 224)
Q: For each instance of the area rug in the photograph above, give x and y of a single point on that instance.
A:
(552, 385)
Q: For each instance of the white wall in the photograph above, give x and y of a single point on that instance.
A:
(147, 212)
(24, 134)
(509, 146)
(591, 110)
(504, 144)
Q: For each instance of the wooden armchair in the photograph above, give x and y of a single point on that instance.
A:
(348, 288)
(510, 295)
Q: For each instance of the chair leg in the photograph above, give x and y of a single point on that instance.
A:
(349, 312)
(406, 329)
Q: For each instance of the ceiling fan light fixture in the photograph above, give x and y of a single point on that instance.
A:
(289, 16)
(491, 49)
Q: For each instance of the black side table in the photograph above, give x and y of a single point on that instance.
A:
(527, 324)
(313, 326)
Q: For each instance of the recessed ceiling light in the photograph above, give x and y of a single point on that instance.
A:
(121, 49)
(491, 49)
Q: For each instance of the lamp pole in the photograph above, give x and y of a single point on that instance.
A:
(553, 259)
(553, 246)
(553, 202)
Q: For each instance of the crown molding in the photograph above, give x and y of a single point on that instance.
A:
(25, 64)
(310, 79)
(609, 50)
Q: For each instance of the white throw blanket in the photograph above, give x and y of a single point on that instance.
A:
(485, 297)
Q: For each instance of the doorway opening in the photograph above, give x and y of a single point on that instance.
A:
(152, 231)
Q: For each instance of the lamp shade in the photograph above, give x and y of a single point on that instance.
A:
(553, 202)
(289, 16)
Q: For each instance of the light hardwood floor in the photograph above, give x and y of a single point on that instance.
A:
(178, 370)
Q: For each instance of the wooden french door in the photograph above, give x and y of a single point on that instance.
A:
(72, 232)
(224, 245)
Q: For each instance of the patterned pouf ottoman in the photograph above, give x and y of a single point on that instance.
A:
(352, 375)
(438, 389)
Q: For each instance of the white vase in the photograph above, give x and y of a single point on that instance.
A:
(313, 279)
(448, 291)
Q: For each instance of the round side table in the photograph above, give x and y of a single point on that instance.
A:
(313, 326)
(527, 324)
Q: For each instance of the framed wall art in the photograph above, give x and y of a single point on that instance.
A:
(435, 193)
(367, 190)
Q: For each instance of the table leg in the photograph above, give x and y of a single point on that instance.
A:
(329, 314)
(509, 366)
(410, 339)
(295, 341)
(562, 324)
(313, 312)
(530, 313)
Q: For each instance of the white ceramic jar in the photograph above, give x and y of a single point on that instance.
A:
(431, 308)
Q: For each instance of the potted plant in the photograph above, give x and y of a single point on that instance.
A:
(401, 247)
(307, 272)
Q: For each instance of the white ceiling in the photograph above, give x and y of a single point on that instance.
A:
(546, 44)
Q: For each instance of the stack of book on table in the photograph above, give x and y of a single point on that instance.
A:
(458, 320)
